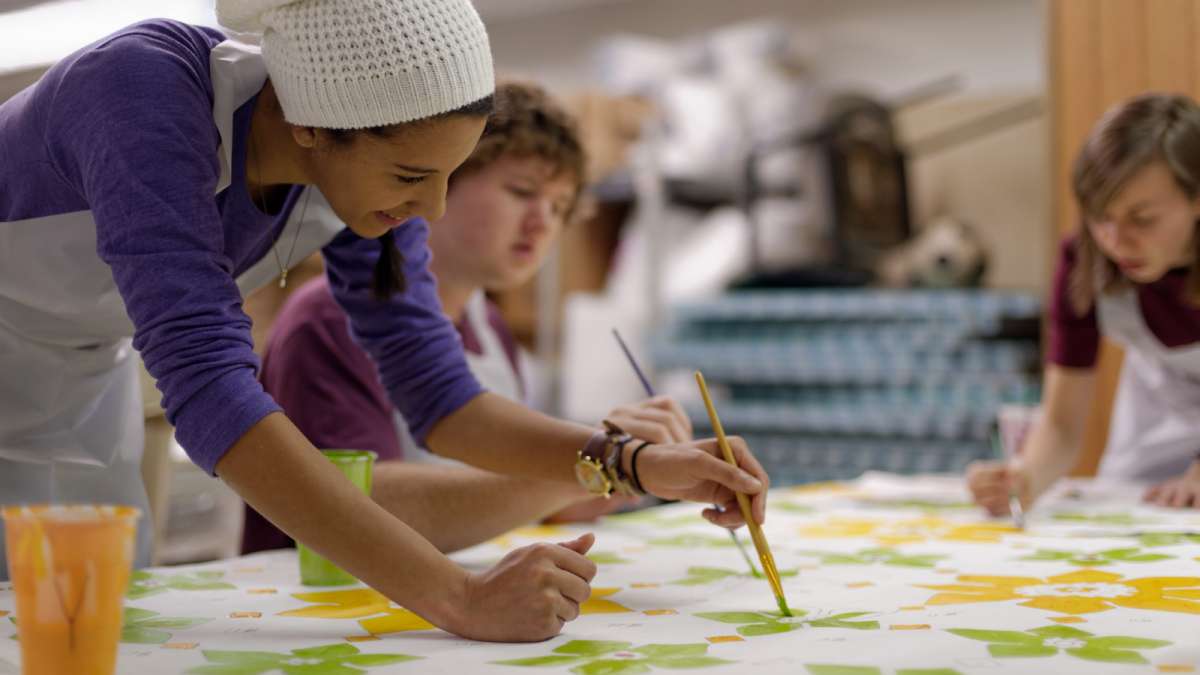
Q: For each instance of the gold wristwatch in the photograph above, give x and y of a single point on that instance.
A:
(589, 468)
(598, 468)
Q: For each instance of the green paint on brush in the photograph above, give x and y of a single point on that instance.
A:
(783, 608)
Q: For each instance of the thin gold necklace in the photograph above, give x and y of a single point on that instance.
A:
(283, 266)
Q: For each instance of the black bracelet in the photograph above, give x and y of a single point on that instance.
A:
(637, 482)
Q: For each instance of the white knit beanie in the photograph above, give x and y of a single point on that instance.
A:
(352, 64)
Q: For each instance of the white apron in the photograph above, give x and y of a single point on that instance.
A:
(1155, 429)
(491, 367)
(71, 421)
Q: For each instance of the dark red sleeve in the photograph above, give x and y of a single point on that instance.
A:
(1074, 339)
(327, 386)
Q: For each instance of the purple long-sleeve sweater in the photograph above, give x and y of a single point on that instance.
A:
(124, 129)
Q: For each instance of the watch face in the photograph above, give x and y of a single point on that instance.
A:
(591, 476)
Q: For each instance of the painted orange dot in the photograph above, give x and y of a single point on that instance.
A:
(360, 638)
(909, 626)
(181, 645)
(261, 591)
(245, 615)
(860, 584)
(715, 639)
(3, 612)
(1176, 668)
(659, 612)
(644, 585)
(1068, 619)
(913, 608)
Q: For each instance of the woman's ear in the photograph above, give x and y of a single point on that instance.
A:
(305, 137)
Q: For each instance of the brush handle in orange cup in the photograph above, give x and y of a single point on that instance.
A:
(70, 567)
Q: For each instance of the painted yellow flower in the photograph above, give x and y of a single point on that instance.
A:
(396, 620)
(348, 604)
(1080, 592)
(384, 617)
(357, 603)
(909, 530)
(596, 604)
(539, 532)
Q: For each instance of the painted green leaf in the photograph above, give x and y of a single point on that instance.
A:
(1002, 651)
(1060, 632)
(1146, 557)
(1000, 636)
(756, 629)
(792, 507)
(244, 658)
(325, 668)
(137, 592)
(368, 660)
(842, 670)
(1107, 655)
(229, 669)
(591, 647)
(607, 558)
(1100, 518)
(327, 651)
(693, 541)
(1044, 554)
(738, 617)
(1152, 539)
(334, 659)
(132, 614)
(844, 559)
(173, 623)
(200, 585)
(690, 662)
(552, 660)
(1121, 642)
(142, 626)
(612, 667)
(670, 651)
(143, 636)
(837, 622)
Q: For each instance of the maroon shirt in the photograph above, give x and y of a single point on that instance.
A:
(1075, 340)
(329, 386)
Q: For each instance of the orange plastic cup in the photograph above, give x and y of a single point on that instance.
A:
(70, 567)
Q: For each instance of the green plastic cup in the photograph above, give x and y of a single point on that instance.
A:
(315, 570)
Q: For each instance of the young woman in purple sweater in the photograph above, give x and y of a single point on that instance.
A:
(151, 179)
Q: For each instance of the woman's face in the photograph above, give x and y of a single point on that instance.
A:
(374, 184)
(1148, 227)
(501, 221)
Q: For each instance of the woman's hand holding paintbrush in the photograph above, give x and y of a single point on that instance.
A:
(725, 511)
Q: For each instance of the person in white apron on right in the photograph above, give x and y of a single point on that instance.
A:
(1131, 274)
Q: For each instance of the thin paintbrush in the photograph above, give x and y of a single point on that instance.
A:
(650, 392)
(760, 541)
(1014, 499)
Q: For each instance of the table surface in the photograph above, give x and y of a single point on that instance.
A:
(885, 575)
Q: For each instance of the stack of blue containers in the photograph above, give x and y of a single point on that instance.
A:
(828, 384)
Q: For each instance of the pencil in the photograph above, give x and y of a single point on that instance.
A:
(760, 542)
